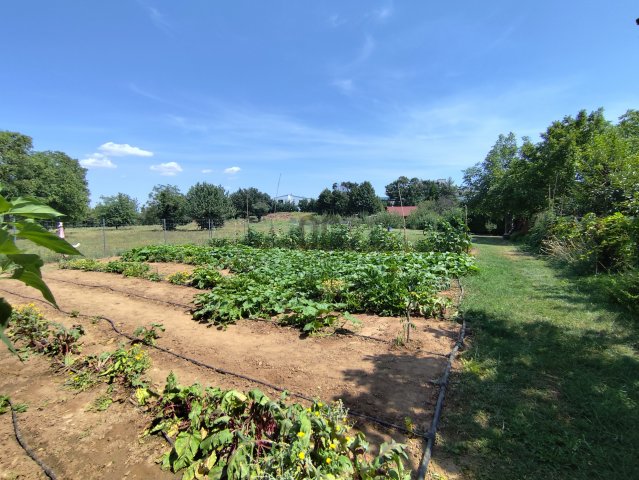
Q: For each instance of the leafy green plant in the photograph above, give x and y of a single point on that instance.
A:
(17, 220)
(148, 335)
(179, 278)
(312, 289)
(34, 333)
(228, 434)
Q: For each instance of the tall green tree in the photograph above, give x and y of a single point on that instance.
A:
(117, 210)
(250, 199)
(52, 177)
(363, 200)
(166, 203)
(410, 192)
(206, 202)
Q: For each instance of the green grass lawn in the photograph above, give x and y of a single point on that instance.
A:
(549, 385)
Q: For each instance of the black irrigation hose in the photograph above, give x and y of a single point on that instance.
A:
(351, 413)
(48, 472)
(432, 431)
(189, 307)
(124, 292)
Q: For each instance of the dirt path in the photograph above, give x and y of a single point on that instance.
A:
(371, 377)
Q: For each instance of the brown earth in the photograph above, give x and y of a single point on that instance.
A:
(372, 377)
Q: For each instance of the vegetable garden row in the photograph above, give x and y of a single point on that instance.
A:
(218, 433)
(309, 289)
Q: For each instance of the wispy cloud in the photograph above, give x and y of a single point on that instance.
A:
(123, 150)
(207, 170)
(232, 170)
(384, 13)
(336, 20)
(366, 50)
(97, 160)
(159, 20)
(344, 85)
(169, 169)
(433, 140)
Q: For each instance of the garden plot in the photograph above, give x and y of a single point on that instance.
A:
(372, 377)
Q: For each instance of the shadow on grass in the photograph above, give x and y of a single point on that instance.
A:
(535, 400)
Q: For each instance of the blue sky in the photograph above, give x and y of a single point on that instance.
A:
(238, 92)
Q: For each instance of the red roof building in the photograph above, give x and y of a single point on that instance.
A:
(402, 211)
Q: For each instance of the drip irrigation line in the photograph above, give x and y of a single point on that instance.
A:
(432, 431)
(221, 371)
(189, 307)
(124, 292)
(47, 471)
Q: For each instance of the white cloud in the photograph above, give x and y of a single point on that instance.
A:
(97, 160)
(123, 150)
(344, 85)
(207, 170)
(168, 169)
(232, 170)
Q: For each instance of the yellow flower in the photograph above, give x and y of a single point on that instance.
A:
(320, 404)
(348, 439)
(317, 414)
(301, 455)
(301, 434)
(332, 445)
(328, 460)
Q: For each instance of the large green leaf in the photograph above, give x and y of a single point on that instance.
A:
(31, 208)
(6, 243)
(4, 204)
(5, 313)
(28, 271)
(41, 236)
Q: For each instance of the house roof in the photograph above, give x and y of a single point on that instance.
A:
(403, 211)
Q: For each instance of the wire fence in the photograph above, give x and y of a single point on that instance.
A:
(99, 240)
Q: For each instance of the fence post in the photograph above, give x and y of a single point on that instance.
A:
(164, 228)
(104, 246)
(210, 232)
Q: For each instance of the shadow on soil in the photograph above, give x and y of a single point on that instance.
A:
(398, 390)
(535, 400)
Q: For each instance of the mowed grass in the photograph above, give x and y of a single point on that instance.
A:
(549, 386)
(96, 242)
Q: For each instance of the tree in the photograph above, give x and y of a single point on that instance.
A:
(167, 203)
(414, 191)
(308, 205)
(205, 202)
(53, 178)
(260, 209)
(117, 210)
(363, 201)
(247, 199)
(325, 202)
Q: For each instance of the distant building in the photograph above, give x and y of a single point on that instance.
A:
(402, 211)
(290, 198)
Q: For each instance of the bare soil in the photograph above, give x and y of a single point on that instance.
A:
(370, 375)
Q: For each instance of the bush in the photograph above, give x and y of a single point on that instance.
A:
(385, 219)
(591, 244)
